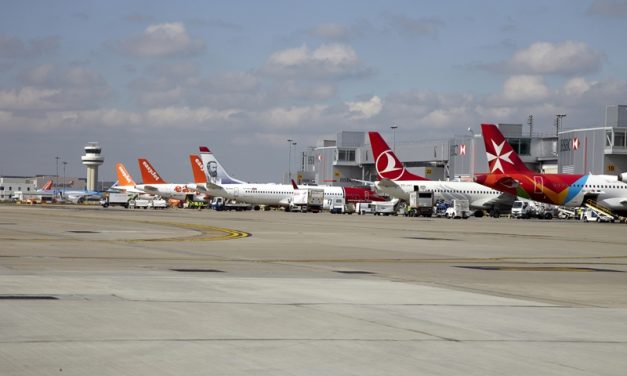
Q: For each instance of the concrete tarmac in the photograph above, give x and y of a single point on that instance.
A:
(88, 290)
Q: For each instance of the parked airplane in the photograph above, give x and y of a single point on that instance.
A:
(509, 174)
(75, 196)
(153, 183)
(220, 183)
(125, 181)
(398, 182)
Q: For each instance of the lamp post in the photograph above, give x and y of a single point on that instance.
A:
(558, 123)
(289, 173)
(57, 176)
(64, 164)
(394, 137)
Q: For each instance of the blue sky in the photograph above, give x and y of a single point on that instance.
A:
(157, 79)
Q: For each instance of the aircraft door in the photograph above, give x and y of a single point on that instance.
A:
(538, 183)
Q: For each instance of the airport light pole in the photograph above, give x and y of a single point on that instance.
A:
(558, 123)
(64, 164)
(394, 137)
(289, 173)
(57, 176)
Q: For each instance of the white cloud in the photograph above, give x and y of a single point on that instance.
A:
(576, 86)
(29, 98)
(330, 31)
(162, 40)
(328, 60)
(525, 89)
(365, 109)
(608, 8)
(563, 59)
(290, 117)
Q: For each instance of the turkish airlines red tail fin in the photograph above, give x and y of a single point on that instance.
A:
(387, 164)
(197, 168)
(294, 185)
(124, 178)
(149, 174)
(502, 158)
(47, 186)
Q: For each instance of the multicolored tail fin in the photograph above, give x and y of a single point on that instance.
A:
(124, 178)
(149, 174)
(200, 176)
(48, 185)
(502, 159)
(214, 170)
(387, 164)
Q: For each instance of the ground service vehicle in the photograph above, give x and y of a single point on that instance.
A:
(420, 204)
(364, 208)
(591, 215)
(384, 207)
(116, 199)
(308, 200)
(220, 203)
(459, 209)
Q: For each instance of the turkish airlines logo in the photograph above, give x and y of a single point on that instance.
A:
(498, 156)
(152, 172)
(124, 173)
(388, 166)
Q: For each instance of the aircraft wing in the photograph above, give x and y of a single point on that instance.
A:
(150, 189)
(213, 186)
(365, 182)
(387, 183)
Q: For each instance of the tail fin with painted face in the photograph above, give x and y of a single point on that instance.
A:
(502, 158)
(149, 173)
(215, 173)
(200, 176)
(387, 164)
(124, 178)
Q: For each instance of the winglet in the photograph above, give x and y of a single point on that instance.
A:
(200, 177)
(149, 174)
(502, 158)
(124, 178)
(387, 164)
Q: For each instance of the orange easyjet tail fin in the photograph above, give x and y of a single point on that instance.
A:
(387, 164)
(502, 158)
(124, 178)
(198, 169)
(47, 186)
(149, 174)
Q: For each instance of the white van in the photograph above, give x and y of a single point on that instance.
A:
(591, 215)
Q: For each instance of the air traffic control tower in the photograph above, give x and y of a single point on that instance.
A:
(92, 159)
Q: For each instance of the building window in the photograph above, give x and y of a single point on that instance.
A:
(522, 146)
(346, 155)
(1, 188)
(619, 138)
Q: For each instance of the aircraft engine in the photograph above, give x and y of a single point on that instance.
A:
(623, 177)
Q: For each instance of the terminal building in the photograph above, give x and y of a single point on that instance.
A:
(596, 150)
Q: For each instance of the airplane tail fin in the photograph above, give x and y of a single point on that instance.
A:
(124, 178)
(294, 185)
(387, 164)
(200, 176)
(149, 174)
(502, 158)
(48, 185)
(214, 171)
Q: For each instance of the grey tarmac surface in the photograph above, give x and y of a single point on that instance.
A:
(93, 291)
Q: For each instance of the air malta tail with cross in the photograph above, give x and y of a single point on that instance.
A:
(509, 174)
(398, 182)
